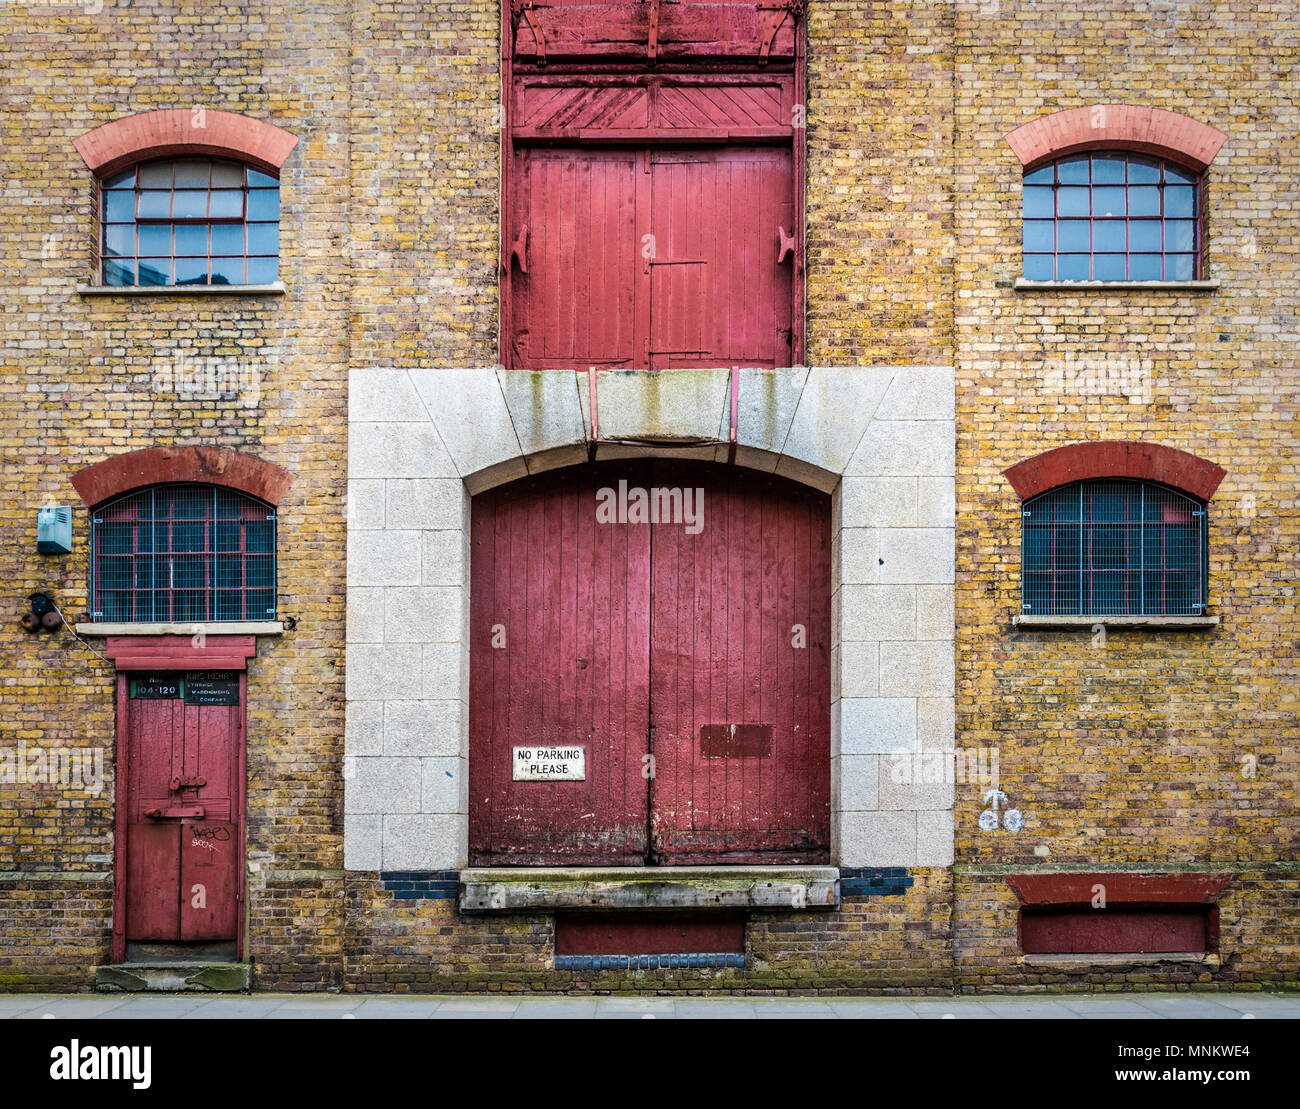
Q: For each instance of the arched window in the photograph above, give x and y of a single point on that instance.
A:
(183, 553)
(189, 221)
(1113, 546)
(1112, 216)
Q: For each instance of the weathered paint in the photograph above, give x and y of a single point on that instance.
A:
(627, 625)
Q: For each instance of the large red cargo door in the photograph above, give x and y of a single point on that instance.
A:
(559, 661)
(720, 293)
(184, 839)
(652, 259)
(698, 636)
(740, 672)
(576, 286)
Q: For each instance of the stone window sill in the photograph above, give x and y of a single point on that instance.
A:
(276, 288)
(266, 627)
(1022, 284)
(1024, 620)
(753, 888)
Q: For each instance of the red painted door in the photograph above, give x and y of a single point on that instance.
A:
(651, 259)
(559, 657)
(740, 672)
(719, 293)
(184, 831)
(684, 649)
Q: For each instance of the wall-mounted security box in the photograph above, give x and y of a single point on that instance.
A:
(54, 530)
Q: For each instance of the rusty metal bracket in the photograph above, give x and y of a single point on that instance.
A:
(785, 247)
(792, 8)
(524, 9)
(519, 250)
(652, 42)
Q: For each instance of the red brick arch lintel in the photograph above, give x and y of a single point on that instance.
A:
(1153, 131)
(173, 132)
(1143, 461)
(157, 465)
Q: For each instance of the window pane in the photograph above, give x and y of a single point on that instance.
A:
(1038, 267)
(263, 271)
(1108, 169)
(1072, 235)
(228, 271)
(190, 204)
(191, 271)
(264, 238)
(1108, 235)
(1038, 202)
(1180, 267)
(1037, 235)
(192, 238)
(1180, 235)
(257, 179)
(155, 271)
(1073, 171)
(156, 238)
(1177, 174)
(1072, 267)
(155, 205)
(1180, 201)
(193, 172)
(1144, 267)
(1072, 202)
(119, 238)
(119, 273)
(264, 204)
(227, 238)
(227, 203)
(1144, 201)
(119, 207)
(227, 175)
(1141, 172)
(124, 180)
(1108, 201)
(1109, 267)
(1144, 235)
(156, 175)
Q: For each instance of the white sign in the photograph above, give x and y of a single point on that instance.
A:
(550, 764)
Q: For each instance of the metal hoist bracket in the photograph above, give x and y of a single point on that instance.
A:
(524, 9)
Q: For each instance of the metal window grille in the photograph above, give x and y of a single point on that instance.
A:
(1113, 547)
(180, 554)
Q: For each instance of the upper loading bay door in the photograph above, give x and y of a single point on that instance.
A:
(648, 691)
(653, 258)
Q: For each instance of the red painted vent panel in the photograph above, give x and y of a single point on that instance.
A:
(649, 934)
(1115, 930)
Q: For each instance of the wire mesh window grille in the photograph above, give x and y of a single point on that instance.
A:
(1113, 547)
(1112, 217)
(183, 553)
(190, 221)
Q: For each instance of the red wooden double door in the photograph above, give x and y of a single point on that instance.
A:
(656, 258)
(673, 647)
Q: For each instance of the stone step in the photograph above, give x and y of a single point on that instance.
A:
(173, 977)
